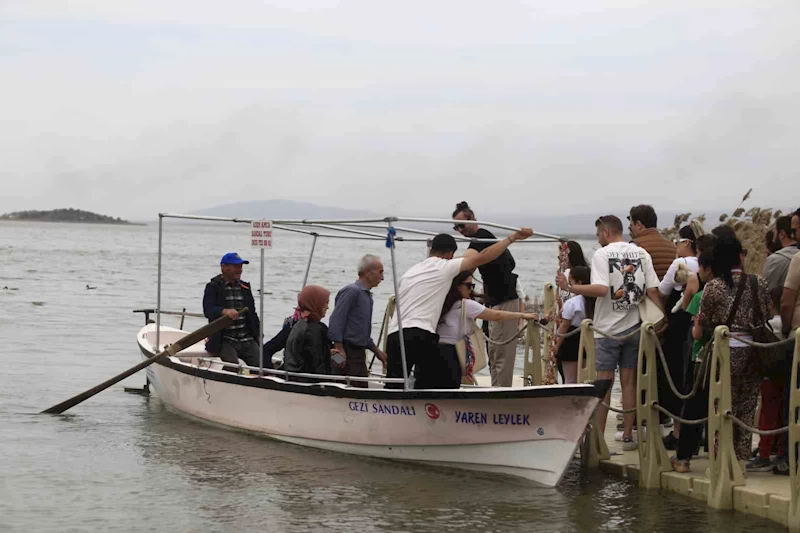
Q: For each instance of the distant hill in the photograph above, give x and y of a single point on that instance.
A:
(64, 215)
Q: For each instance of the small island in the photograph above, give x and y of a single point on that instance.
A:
(64, 215)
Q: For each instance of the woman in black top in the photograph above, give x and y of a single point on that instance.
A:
(308, 349)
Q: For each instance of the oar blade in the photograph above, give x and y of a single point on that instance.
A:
(183, 343)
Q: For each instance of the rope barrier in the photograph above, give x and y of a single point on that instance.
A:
(512, 339)
(615, 410)
(751, 429)
(680, 418)
(754, 344)
(698, 378)
(629, 336)
(568, 335)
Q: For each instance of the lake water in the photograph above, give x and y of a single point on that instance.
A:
(122, 462)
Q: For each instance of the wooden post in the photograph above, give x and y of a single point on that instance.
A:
(794, 438)
(532, 370)
(550, 307)
(587, 373)
(653, 458)
(724, 471)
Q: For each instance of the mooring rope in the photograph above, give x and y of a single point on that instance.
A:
(629, 336)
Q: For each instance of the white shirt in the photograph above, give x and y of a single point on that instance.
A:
(668, 284)
(627, 270)
(422, 291)
(450, 330)
(574, 310)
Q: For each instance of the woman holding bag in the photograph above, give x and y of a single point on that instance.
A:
(453, 327)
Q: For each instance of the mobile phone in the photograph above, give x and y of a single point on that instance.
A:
(338, 358)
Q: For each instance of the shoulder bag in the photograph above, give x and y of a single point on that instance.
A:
(649, 311)
(471, 349)
(771, 361)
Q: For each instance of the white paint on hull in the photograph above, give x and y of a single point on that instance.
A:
(533, 437)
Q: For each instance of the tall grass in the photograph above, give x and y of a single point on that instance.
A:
(751, 226)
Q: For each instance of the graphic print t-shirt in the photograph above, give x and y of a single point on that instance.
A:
(628, 272)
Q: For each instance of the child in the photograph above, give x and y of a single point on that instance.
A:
(573, 313)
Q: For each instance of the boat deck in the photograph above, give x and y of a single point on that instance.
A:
(764, 494)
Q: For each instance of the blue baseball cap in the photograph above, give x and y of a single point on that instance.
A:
(232, 258)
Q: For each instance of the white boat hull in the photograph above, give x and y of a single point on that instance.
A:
(531, 432)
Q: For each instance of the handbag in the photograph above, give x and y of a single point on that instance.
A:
(770, 361)
(471, 349)
(649, 311)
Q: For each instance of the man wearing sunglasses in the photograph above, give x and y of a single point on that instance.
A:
(500, 292)
(643, 228)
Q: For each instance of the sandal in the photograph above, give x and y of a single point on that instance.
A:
(680, 466)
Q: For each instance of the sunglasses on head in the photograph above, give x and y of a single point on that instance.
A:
(470, 285)
(679, 241)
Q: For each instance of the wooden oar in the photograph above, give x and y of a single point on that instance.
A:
(189, 340)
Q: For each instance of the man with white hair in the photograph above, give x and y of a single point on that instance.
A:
(350, 326)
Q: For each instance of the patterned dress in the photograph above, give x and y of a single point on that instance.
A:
(745, 376)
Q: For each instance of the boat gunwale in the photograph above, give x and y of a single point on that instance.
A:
(340, 391)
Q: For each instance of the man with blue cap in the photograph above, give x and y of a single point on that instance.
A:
(224, 294)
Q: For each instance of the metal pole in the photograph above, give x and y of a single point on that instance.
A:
(158, 283)
(310, 257)
(406, 385)
(261, 321)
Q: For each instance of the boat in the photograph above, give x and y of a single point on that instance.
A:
(530, 432)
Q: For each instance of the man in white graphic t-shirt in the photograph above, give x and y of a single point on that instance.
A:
(420, 298)
(622, 274)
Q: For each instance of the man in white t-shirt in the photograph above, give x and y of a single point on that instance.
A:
(420, 298)
(622, 275)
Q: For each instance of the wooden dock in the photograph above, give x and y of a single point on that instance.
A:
(764, 494)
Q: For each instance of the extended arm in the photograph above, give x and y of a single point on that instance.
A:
(471, 262)
(495, 315)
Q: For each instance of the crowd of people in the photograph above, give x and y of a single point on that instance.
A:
(696, 281)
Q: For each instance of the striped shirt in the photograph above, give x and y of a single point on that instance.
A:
(233, 300)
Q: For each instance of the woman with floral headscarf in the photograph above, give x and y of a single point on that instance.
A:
(308, 349)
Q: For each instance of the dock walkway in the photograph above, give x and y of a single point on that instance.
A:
(764, 494)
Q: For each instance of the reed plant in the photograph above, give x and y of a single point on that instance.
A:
(751, 227)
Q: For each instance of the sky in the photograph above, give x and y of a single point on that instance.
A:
(129, 108)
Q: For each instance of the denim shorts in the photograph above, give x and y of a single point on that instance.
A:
(608, 353)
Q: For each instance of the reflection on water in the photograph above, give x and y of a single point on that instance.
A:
(122, 463)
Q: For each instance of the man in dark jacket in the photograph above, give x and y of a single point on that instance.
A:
(225, 294)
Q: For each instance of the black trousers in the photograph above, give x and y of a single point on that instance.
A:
(422, 353)
(694, 408)
(446, 369)
(676, 353)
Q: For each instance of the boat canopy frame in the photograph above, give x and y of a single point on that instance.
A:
(353, 229)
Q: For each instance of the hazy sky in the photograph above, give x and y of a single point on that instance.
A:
(133, 107)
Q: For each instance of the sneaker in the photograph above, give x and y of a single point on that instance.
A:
(781, 466)
(629, 444)
(671, 441)
(668, 423)
(680, 466)
(758, 465)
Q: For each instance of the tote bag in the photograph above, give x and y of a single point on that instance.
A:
(471, 349)
(648, 310)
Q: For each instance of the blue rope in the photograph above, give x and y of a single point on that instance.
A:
(390, 234)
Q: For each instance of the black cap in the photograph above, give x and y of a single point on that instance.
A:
(443, 243)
